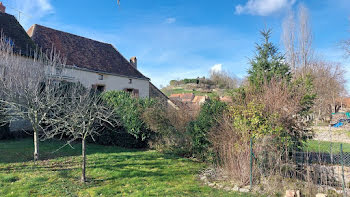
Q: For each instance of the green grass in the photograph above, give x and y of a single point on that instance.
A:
(322, 146)
(111, 171)
(181, 90)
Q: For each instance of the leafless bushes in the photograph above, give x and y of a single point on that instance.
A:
(224, 80)
(169, 125)
(328, 80)
(272, 119)
(328, 77)
(232, 150)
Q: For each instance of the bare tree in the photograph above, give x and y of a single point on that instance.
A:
(305, 37)
(297, 40)
(328, 77)
(224, 80)
(27, 87)
(80, 114)
(345, 44)
(288, 38)
(329, 83)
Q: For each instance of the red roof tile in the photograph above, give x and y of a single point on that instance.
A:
(83, 52)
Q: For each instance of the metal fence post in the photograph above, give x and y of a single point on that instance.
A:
(342, 168)
(331, 146)
(251, 164)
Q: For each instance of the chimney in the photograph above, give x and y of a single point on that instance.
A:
(133, 62)
(2, 8)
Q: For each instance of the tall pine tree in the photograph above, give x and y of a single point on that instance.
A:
(268, 63)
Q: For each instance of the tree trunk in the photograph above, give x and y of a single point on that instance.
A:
(83, 151)
(36, 145)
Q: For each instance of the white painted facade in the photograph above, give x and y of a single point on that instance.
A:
(109, 81)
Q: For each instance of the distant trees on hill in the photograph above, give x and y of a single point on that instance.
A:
(221, 80)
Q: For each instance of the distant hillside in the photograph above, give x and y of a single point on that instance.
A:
(201, 86)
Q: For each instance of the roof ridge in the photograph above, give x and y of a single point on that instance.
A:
(128, 61)
(70, 34)
(84, 52)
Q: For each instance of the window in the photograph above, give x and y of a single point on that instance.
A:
(129, 90)
(130, 81)
(99, 88)
(133, 92)
(100, 77)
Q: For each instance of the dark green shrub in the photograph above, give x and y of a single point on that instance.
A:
(130, 110)
(208, 117)
(186, 81)
(118, 137)
(5, 132)
(169, 127)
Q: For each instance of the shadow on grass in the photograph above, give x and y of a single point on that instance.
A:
(111, 163)
(16, 151)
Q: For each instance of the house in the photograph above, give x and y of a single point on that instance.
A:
(15, 34)
(347, 102)
(189, 98)
(226, 99)
(94, 64)
(199, 100)
(184, 97)
(22, 45)
(343, 103)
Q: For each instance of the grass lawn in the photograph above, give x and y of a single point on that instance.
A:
(181, 90)
(322, 146)
(111, 171)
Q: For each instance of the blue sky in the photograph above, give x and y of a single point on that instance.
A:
(175, 39)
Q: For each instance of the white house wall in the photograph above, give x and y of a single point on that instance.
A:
(111, 82)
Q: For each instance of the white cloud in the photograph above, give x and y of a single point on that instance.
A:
(45, 5)
(216, 68)
(170, 20)
(263, 7)
(33, 11)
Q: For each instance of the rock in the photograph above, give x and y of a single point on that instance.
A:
(227, 188)
(321, 195)
(292, 193)
(211, 184)
(244, 190)
(246, 187)
(235, 188)
(203, 178)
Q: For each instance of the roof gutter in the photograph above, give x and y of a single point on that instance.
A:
(106, 73)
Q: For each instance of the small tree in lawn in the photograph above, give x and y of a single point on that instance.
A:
(80, 114)
(27, 86)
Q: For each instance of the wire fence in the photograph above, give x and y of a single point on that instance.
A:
(327, 167)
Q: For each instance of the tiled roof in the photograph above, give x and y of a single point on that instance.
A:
(184, 97)
(16, 35)
(226, 99)
(346, 101)
(83, 52)
(199, 99)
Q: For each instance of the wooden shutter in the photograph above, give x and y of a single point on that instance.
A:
(136, 93)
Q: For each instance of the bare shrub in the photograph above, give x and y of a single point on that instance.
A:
(169, 125)
(272, 119)
(224, 80)
(329, 85)
(232, 150)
